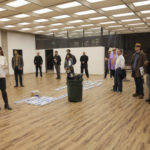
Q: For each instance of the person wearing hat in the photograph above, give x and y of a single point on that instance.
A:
(137, 64)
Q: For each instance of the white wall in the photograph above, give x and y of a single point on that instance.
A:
(26, 42)
(95, 54)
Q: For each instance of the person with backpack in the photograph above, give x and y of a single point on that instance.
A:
(74, 61)
(84, 64)
(119, 66)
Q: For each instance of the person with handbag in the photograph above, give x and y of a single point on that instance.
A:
(17, 65)
(3, 71)
(119, 66)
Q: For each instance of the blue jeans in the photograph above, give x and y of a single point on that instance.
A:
(118, 81)
(139, 85)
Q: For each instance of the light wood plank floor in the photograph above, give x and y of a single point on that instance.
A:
(103, 121)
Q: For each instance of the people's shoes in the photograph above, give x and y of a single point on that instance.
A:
(135, 95)
(8, 107)
(15, 86)
(141, 97)
(147, 100)
(21, 85)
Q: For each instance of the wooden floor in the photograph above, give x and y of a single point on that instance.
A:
(103, 121)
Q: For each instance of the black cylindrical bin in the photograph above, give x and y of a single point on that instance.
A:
(75, 90)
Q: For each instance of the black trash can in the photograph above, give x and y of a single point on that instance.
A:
(75, 89)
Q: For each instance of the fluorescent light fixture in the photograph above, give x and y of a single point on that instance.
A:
(69, 5)
(38, 31)
(61, 17)
(120, 29)
(123, 15)
(86, 25)
(136, 24)
(98, 18)
(71, 27)
(43, 11)
(128, 20)
(85, 12)
(2, 9)
(38, 27)
(145, 11)
(148, 18)
(75, 21)
(95, 1)
(4, 19)
(53, 30)
(111, 22)
(18, 3)
(57, 24)
(115, 26)
(140, 27)
(9, 26)
(142, 3)
(25, 29)
(24, 23)
(21, 16)
(41, 20)
(94, 29)
(114, 7)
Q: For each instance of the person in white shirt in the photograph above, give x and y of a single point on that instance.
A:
(3, 71)
(120, 64)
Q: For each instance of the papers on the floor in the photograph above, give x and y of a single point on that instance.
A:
(86, 85)
(40, 100)
(44, 100)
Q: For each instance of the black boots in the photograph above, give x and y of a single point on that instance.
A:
(5, 98)
(8, 107)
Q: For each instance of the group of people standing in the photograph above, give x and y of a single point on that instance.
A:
(18, 64)
(140, 65)
(70, 61)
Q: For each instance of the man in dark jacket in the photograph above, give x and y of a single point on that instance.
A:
(84, 64)
(57, 63)
(137, 64)
(147, 64)
(38, 61)
(17, 65)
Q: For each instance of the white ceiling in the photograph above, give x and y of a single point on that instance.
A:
(128, 17)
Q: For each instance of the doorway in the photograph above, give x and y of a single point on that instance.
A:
(49, 60)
